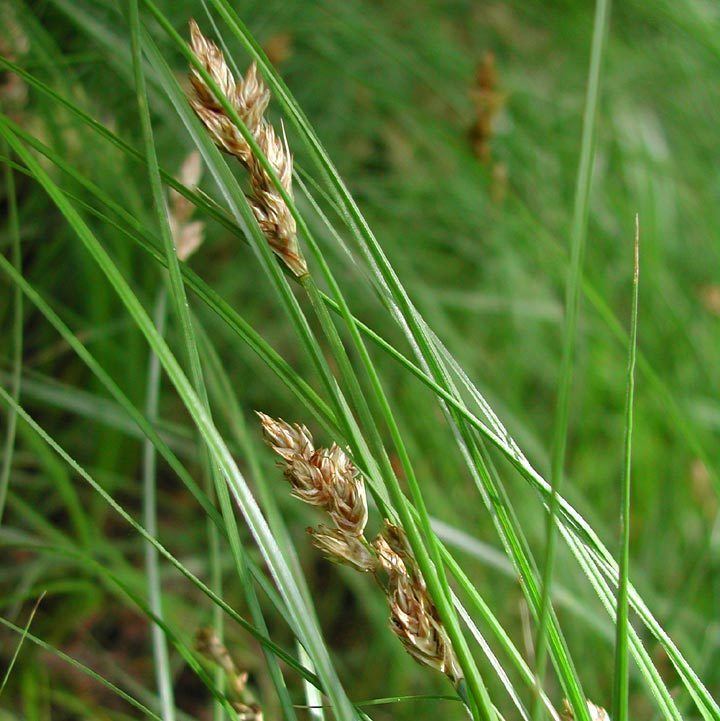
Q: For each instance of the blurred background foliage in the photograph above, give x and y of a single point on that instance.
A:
(457, 127)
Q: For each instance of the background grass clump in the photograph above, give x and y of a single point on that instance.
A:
(482, 247)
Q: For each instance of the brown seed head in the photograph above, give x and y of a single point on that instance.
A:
(342, 547)
(308, 482)
(249, 97)
(389, 561)
(413, 616)
(488, 101)
(323, 477)
(209, 645)
(397, 540)
(288, 441)
(348, 507)
(414, 620)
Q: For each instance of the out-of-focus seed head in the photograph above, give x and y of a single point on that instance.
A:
(188, 236)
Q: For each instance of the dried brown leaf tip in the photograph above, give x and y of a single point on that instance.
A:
(597, 713)
(413, 616)
(488, 102)
(249, 97)
(212, 648)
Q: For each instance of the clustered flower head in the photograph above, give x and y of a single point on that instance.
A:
(211, 647)
(413, 616)
(597, 713)
(249, 97)
(488, 102)
(327, 478)
(323, 477)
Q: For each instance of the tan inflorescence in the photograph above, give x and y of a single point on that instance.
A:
(488, 102)
(187, 234)
(327, 478)
(249, 97)
(413, 616)
(209, 645)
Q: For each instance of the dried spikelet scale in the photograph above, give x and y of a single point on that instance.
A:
(597, 713)
(249, 97)
(187, 235)
(342, 547)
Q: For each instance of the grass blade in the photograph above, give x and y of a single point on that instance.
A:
(572, 303)
(17, 339)
(310, 634)
(621, 677)
(163, 672)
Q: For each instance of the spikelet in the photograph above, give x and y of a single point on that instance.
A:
(209, 645)
(187, 234)
(289, 441)
(597, 713)
(348, 508)
(320, 477)
(327, 478)
(249, 97)
(413, 616)
(341, 547)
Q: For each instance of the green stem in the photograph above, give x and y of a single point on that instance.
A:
(213, 473)
(621, 685)
(163, 671)
(572, 303)
(17, 338)
(433, 571)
